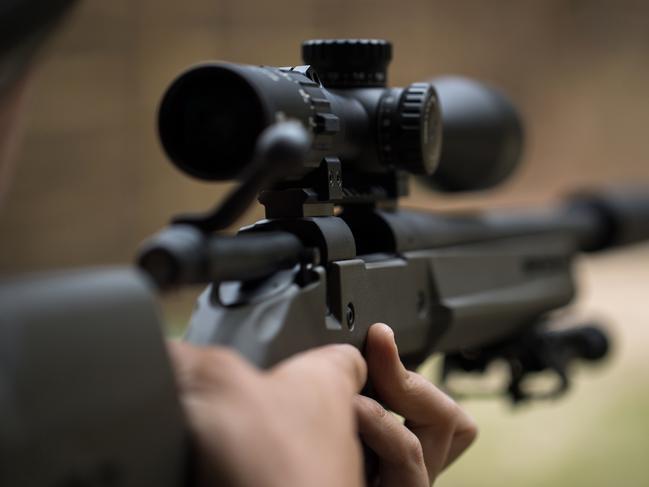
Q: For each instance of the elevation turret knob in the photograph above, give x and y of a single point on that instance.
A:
(349, 63)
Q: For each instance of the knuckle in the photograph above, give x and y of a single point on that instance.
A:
(469, 431)
(472, 431)
(378, 410)
(348, 353)
(447, 409)
(450, 408)
(374, 408)
(348, 359)
(413, 452)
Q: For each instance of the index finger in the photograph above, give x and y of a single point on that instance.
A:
(405, 392)
(336, 363)
(443, 429)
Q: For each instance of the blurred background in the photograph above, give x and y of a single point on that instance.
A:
(92, 181)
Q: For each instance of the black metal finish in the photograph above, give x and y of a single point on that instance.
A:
(339, 254)
(439, 299)
(183, 255)
(212, 116)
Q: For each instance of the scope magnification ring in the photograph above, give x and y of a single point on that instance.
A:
(410, 129)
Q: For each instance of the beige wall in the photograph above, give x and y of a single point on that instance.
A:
(93, 182)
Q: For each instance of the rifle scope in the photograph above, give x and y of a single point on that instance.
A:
(212, 115)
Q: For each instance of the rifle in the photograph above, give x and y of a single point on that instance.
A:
(328, 148)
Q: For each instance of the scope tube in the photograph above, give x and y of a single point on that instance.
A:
(212, 115)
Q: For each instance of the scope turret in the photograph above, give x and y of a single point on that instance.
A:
(349, 63)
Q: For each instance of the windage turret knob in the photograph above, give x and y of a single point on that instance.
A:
(349, 63)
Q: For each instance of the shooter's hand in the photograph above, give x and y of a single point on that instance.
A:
(291, 426)
(436, 430)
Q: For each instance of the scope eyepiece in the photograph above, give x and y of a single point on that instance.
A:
(209, 121)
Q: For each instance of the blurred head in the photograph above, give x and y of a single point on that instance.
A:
(24, 25)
